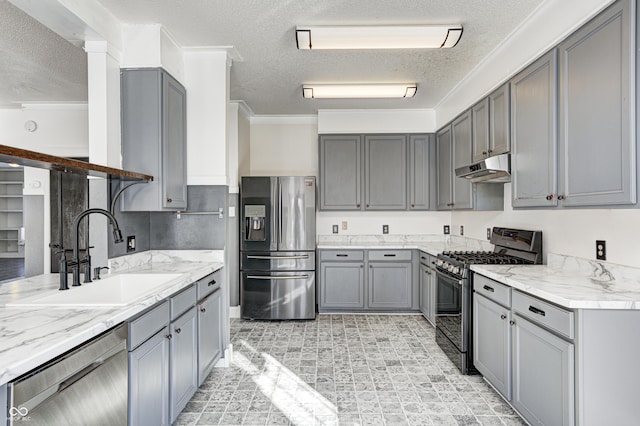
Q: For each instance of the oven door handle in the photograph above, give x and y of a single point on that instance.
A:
(280, 277)
(448, 277)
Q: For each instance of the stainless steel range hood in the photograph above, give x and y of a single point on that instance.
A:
(496, 169)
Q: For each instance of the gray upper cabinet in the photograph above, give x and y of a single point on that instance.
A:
(419, 172)
(462, 140)
(385, 172)
(154, 139)
(533, 133)
(340, 172)
(499, 123)
(444, 191)
(596, 143)
(480, 139)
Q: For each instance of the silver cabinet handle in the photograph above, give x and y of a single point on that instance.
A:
(306, 256)
(269, 277)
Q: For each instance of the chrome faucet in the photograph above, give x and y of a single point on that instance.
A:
(75, 262)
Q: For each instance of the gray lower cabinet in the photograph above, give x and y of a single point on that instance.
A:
(149, 381)
(533, 133)
(154, 139)
(427, 282)
(360, 280)
(341, 285)
(340, 172)
(390, 285)
(492, 343)
(385, 168)
(596, 71)
(209, 333)
(420, 172)
(183, 362)
(543, 369)
(4, 408)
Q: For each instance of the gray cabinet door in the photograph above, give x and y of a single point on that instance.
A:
(480, 129)
(149, 382)
(427, 293)
(533, 134)
(174, 147)
(543, 375)
(183, 362)
(340, 172)
(461, 135)
(209, 334)
(154, 139)
(596, 144)
(499, 121)
(419, 171)
(444, 195)
(390, 285)
(492, 343)
(341, 285)
(385, 164)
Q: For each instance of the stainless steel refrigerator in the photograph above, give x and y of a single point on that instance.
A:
(277, 247)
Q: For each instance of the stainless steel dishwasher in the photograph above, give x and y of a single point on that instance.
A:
(87, 386)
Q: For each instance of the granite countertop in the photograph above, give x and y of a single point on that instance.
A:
(572, 282)
(431, 244)
(32, 336)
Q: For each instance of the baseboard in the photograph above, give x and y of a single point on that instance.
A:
(225, 361)
(234, 311)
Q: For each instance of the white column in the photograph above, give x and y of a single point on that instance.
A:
(104, 137)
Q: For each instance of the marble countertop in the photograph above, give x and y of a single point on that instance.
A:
(572, 282)
(32, 336)
(431, 244)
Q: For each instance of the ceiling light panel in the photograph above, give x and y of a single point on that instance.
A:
(378, 37)
(358, 91)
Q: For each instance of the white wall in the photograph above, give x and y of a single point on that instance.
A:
(567, 231)
(284, 146)
(370, 223)
(377, 121)
(62, 129)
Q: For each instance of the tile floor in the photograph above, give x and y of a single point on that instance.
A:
(343, 370)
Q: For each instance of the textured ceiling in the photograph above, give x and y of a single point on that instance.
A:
(270, 77)
(37, 65)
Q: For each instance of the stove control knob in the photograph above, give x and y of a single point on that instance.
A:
(450, 267)
(439, 262)
(456, 270)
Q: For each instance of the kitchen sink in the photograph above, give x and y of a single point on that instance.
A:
(119, 290)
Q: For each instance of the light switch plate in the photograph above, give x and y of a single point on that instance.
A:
(131, 243)
(461, 230)
(385, 229)
(335, 229)
(446, 230)
(344, 225)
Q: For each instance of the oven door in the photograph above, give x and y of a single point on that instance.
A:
(450, 313)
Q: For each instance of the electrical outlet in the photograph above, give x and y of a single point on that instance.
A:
(461, 230)
(344, 225)
(385, 229)
(335, 229)
(446, 230)
(488, 233)
(601, 250)
(131, 243)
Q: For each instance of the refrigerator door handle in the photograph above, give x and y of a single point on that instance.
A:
(270, 277)
(279, 213)
(306, 256)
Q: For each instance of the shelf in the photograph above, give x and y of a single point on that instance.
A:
(9, 154)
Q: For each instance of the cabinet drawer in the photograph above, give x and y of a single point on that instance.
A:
(338, 255)
(493, 290)
(553, 317)
(426, 259)
(147, 325)
(182, 301)
(392, 255)
(208, 284)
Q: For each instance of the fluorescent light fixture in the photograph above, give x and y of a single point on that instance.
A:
(378, 37)
(358, 91)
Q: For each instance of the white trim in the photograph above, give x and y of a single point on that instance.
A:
(284, 119)
(207, 180)
(234, 190)
(231, 51)
(234, 311)
(244, 107)
(227, 358)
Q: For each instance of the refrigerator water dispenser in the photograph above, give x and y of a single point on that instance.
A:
(254, 216)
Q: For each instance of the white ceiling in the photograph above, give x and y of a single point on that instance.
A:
(270, 77)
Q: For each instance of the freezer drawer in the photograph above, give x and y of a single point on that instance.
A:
(277, 261)
(278, 295)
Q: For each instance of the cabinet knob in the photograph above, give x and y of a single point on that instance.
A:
(358, 205)
(512, 322)
(503, 316)
(413, 205)
(550, 197)
(490, 151)
(367, 205)
(562, 197)
(178, 330)
(203, 309)
(484, 152)
(168, 336)
(169, 200)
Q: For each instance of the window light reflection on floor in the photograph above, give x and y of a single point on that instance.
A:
(302, 404)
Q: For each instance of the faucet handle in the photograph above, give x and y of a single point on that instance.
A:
(96, 271)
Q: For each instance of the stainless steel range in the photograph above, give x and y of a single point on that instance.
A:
(455, 288)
